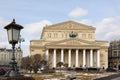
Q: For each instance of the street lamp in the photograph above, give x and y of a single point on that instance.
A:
(13, 32)
(20, 51)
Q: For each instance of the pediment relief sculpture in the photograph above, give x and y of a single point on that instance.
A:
(70, 25)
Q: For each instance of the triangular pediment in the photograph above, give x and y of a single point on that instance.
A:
(73, 41)
(70, 25)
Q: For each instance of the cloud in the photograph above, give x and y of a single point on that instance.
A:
(35, 29)
(108, 29)
(3, 22)
(3, 37)
(32, 32)
(86, 21)
(78, 12)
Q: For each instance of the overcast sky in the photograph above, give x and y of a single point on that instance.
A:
(104, 15)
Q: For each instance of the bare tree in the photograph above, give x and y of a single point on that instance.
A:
(35, 62)
(26, 61)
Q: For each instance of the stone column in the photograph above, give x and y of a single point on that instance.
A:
(98, 58)
(76, 58)
(47, 55)
(54, 58)
(62, 55)
(69, 58)
(84, 58)
(91, 58)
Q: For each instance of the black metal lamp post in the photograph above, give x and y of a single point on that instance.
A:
(13, 32)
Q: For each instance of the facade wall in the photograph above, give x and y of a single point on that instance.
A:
(104, 57)
(114, 54)
(6, 54)
(57, 37)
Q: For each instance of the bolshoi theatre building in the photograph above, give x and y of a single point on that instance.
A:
(73, 44)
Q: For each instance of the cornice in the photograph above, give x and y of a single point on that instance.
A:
(69, 26)
(72, 47)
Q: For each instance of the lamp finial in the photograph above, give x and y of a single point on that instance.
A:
(13, 20)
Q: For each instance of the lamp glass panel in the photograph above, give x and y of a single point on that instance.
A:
(16, 33)
(9, 35)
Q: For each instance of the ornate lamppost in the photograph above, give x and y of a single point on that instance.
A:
(20, 51)
(13, 32)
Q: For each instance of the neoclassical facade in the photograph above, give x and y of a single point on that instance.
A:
(6, 55)
(73, 44)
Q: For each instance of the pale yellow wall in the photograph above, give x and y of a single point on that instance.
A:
(39, 46)
(49, 35)
(104, 57)
(6, 55)
(37, 51)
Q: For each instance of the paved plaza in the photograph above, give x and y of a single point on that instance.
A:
(118, 78)
(79, 75)
(115, 76)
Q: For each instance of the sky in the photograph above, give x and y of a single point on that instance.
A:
(33, 15)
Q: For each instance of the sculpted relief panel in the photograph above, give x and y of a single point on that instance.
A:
(74, 42)
(70, 25)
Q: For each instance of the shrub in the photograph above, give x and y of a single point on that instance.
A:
(79, 69)
(69, 69)
(48, 71)
(111, 70)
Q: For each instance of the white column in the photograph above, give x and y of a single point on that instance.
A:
(69, 58)
(62, 56)
(98, 58)
(84, 58)
(76, 64)
(47, 55)
(54, 58)
(91, 58)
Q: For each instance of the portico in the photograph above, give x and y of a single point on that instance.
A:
(74, 57)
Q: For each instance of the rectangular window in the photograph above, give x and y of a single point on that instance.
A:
(84, 36)
(4, 56)
(115, 53)
(66, 35)
(1, 57)
(89, 36)
(119, 54)
(55, 35)
(63, 35)
(49, 35)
